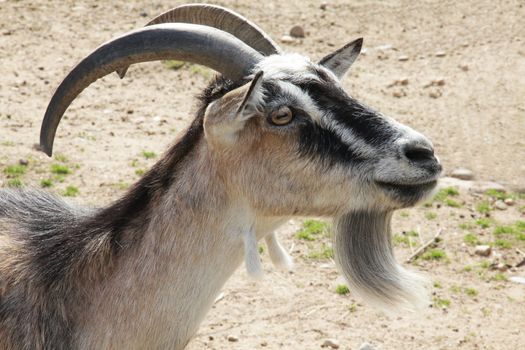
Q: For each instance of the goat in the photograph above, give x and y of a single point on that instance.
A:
(275, 137)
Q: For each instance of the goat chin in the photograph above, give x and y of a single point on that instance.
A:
(363, 251)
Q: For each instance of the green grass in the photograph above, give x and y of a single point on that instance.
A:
(484, 222)
(46, 183)
(497, 194)
(174, 64)
(441, 303)
(8, 143)
(467, 268)
(499, 277)
(134, 163)
(434, 254)
(15, 170)
(446, 192)
(197, 69)
(15, 183)
(404, 214)
(437, 285)
(342, 289)
(430, 215)
(71, 191)
(483, 207)
(452, 203)
(471, 239)
(140, 172)
(471, 292)
(466, 226)
(312, 229)
(60, 169)
(149, 154)
(504, 244)
(324, 253)
(61, 158)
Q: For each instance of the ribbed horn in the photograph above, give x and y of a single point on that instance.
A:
(221, 18)
(199, 44)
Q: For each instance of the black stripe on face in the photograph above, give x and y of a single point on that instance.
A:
(324, 145)
(364, 123)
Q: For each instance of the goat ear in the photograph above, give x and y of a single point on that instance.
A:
(251, 99)
(340, 61)
(225, 117)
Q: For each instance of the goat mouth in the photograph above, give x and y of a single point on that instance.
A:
(408, 189)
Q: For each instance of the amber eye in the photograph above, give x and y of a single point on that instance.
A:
(282, 116)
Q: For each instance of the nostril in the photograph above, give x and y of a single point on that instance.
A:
(418, 153)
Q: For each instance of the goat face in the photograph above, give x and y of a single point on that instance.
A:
(297, 144)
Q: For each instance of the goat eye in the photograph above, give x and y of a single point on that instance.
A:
(281, 116)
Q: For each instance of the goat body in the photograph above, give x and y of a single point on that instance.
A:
(275, 137)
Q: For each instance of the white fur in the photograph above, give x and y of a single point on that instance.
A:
(278, 254)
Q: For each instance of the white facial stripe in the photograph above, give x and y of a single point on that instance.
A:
(305, 101)
(348, 137)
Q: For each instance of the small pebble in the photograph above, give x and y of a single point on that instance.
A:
(463, 67)
(297, 32)
(23, 162)
(441, 54)
(435, 94)
(233, 338)
(366, 346)
(500, 205)
(509, 201)
(323, 5)
(402, 58)
(286, 39)
(462, 174)
(330, 343)
(483, 250)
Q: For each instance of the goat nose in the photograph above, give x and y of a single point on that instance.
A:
(419, 153)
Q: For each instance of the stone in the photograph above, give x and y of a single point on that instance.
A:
(297, 32)
(323, 5)
(483, 250)
(509, 201)
(462, 174)
(500, 205)
(330, 343)
(23, 162)
(484, 186)
(286, 39)
(403, 58)
(366, 346)
(463, 67)
(441, 54)
(232, 338)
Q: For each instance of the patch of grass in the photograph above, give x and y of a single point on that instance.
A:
(499, 277)
(352, 307)
(149, 154)
(455, 289)
(497, 194)
(446, 192)
(61, 158)
(134, 163)
(504, 244)
(404, 214)
(452, 203)
(342, 289)
(471, 239)
(15, 183)
(430, 215)
(466, 226)
(15, 170)
(60, 169)
(140, 172)
(324, 253)
(401, 239)
(485, 264)
(441, 303)
(174, 64)
(484, 222)
(467, 268)
(504, 230)
(437, 284)
(71, 191)
(261, 249)
(471, 292)
(8, 143)
(434, 254)
(197, 69)
(46, 183)
(311, 229)
(483, 207)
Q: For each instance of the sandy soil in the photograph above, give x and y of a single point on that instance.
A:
(464, 67)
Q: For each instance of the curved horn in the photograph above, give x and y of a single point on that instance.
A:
(221, 18)
(189, 42)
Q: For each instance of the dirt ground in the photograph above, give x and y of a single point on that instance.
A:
(455, 71)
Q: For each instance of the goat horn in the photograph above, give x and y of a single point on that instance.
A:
(199, 44)
(221, 18)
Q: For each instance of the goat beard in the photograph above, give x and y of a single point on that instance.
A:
(363, 251)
